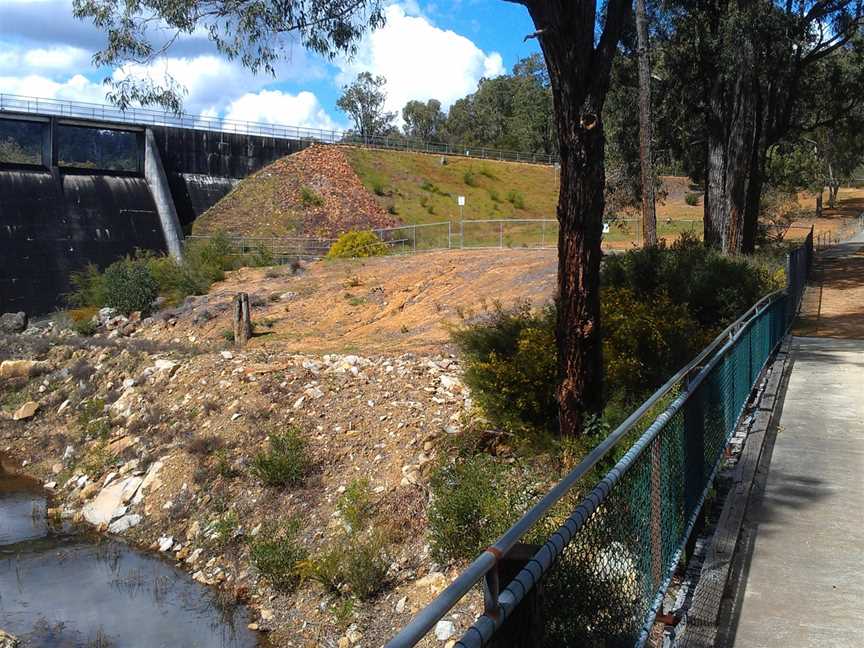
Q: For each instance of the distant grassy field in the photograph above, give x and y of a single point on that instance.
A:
(417, 188)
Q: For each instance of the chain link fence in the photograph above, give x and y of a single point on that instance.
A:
(600, 576)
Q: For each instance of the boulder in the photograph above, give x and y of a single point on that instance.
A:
(23, 368)
(13, 323)
(26, 411)
(107, 505)
(124, 523)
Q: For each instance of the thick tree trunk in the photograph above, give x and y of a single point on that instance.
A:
(579, 67)
(580, 215)
(730, 142)
(758, 158)
(649, 213)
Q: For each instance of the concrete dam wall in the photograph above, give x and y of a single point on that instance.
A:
(76, 192)
(52, 224)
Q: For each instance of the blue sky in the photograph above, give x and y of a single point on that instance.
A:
(437, 49)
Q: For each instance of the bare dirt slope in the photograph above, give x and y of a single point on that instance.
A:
(312, 193)
(390, 304)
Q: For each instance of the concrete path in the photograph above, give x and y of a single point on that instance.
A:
(801, 572)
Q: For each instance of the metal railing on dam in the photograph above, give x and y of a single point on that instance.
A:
(605, 568)
(148, 117)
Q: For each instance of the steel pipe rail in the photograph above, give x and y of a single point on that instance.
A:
(107, 115)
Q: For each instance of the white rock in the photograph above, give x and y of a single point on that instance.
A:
(314, 392)
(450, 382)
(400, 605)
(299, 402)
(130, 488)
(444, 629)
(227, 355)
(63, 406)
(166, 543)
(124, 523)
(164, 365)
(103, 507)
(51, 485)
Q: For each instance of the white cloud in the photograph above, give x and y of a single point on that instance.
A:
(276, 107)
(212, 82)
(420, 60)
(20, 61)
(75, 88)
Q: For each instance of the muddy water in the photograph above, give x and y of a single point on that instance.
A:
(64, 590)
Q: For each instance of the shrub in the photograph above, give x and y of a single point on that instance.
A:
(357, 244)
(129, 286)
(516, 199)
(355, 565)
(473, 502)
(355, 504)
(82, 320)
(493, 195)
(716, 289)
(277, 554)
(644, 341)
(511, 366)
(691, 199)
(287, 461)
(88, 288)
(378, 188)
(470, 178)
(309, 197)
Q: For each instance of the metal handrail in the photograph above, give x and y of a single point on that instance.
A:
(426, 619)
(106, 113)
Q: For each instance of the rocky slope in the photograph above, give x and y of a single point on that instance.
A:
(155, 442)
(312, 193)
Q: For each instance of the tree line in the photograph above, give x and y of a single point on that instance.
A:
(510, 112)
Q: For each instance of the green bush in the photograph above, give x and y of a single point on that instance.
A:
(473, 502)
(354, 565)
(470, 178)
(278, 555)
(716, 289)
(511, 366)
(309, 197)
(129, 286)
(644, 342)
(286, 463)
(356, 245)
(88, 288)
(691, 199)
(355, 504)
(516, 199)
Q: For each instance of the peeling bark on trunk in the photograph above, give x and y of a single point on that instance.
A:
(579, 74)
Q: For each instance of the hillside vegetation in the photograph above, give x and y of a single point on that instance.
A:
(420, 189)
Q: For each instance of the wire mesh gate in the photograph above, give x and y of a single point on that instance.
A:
(604, 570)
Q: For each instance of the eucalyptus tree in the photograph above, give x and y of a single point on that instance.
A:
(363, 100)
(578, 38)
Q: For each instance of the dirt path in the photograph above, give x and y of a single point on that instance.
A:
(834, 302)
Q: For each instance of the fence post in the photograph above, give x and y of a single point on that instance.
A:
(525, 623)
(414, 241)
(501, 234)
(449, 235)
(242, 319)
(462, 234)
(543, 233)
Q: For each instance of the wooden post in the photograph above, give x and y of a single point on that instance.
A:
(523, 628)
(242, 319)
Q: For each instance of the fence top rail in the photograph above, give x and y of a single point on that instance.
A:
(426, 619)
(13, 103)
